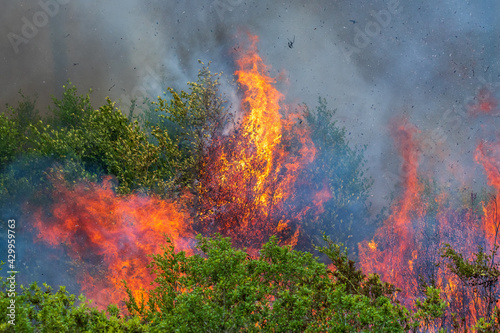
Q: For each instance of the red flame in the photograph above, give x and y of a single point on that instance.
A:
(249, 176)
(113, 233)
(391, 252)
(486, 103)
(488, 154)
(245, 190)
(321, 197)
(405, 249)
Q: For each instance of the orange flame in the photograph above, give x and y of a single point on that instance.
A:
(112, 233)
(249, 176)
(391, 251)
(245, 191)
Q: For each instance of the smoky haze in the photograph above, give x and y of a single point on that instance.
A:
(371, 60)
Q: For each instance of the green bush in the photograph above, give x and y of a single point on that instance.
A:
(222, 289)
(193, 119)
(105, 142)
(40, 309)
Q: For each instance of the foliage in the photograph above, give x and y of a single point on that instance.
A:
(429, 311)
(24, 174)
(71, 110)
(491, 325)
(193, 118)
(23, 116)
(106, 143)
(40, 309)
(8, 141)
(480, 275)
(224, 290)
(158, 157)
(15, 129)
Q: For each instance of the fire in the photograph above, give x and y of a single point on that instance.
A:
(489, 156)
(321, 197)
(389, 253)
(486, 103)
(113, 234)
(372, 245)
(249, 176)
(245, 191)
(405, 249)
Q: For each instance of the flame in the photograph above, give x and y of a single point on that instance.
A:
(389, 253)
(113, 234)
(246, 190)
(321, 197)
(486, 103)
(488, 154)
(405, 248)
(249, 177)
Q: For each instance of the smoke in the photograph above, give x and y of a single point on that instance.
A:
(372, 60)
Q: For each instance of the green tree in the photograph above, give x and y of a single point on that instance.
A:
(70, 110)
(105, 142)
(23, 116)
(193, 119)
(340, 169)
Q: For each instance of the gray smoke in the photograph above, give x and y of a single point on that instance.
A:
(372, 60)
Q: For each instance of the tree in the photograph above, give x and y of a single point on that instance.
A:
(193, 119)
(339, 173)
(70, 110)
(23, 116)
(103, 141)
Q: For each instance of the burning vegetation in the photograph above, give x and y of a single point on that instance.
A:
(274, 180)
(426, 241)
